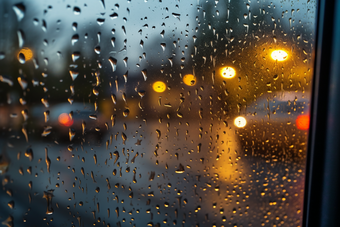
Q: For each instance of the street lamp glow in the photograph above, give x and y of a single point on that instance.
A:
(240, 122)
(228, 72)
(279, 55)
(189, 79)
(159, 86)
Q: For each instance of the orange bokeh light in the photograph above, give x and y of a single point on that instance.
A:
(65, 119)
(302, 122)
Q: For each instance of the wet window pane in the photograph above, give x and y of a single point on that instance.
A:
(151, 113)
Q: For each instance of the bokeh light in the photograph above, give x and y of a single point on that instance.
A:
(240, 122)
(26, 52)
(279, 55)
(65, 119)
(228, 72)
(189, 79)
(302, 122)
(159, 86)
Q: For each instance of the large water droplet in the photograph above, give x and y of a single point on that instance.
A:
(97, 49)
(48, 196)
(113, 16)
(21, 38)
(75, 38)
(163, 45)
(21, 58)
(180, 169)
(113, 63)
(75, 56)
(76, 10)
(19, 10)
(74, 74)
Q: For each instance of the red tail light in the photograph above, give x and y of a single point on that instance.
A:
(302, 122)
(65, 119)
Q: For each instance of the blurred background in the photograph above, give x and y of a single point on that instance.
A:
(151, 113)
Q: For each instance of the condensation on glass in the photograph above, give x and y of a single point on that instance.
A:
(154, 113)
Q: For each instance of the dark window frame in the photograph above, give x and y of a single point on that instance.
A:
(323, 170)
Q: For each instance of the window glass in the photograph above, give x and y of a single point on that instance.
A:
(154, 113)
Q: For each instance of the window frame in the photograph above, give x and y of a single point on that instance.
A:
(322, 169)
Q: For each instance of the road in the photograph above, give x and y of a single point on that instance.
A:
(165, 174)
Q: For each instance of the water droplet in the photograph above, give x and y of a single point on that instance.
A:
(100, 21)
(180, 169)
(44, 28)
(144, 73)
(21, 38)
(95, 91)
(4, 161)
(45, 102)
(8, 222)
(75, 56)
(158, 132)
(113, 63)
(22, 82)
(19, 10)
(25, 114)
(22, 101)
(113, 40)
(29, 153)
(124, 137)
(125, 60)
(71, 133)
(126, 76)
(73, 74)
(75, 38)
(47, 131)
(22, 59)
(97, 49)
(83, 127)
(35, 22)
(48, 196)
(114, 100)
(177, 15)
(163, 45)
(76, 10)
(7, 80)
(93, 117)
(74, 26)
(70, 100)
(141, 93)
(24, 131)
(126, 112)
(113, 16)
(47, 160)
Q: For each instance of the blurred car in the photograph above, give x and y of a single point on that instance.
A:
(276, 126)
(67, 123)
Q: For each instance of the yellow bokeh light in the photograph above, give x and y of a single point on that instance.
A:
(240, 122)
(228, 72)
(189, 79)
(279, 55)
(159, 86)
(26, 52)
